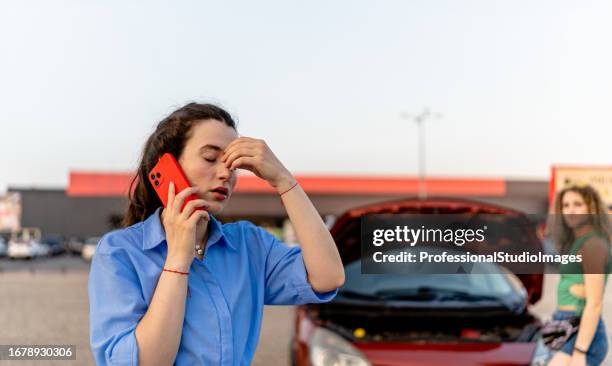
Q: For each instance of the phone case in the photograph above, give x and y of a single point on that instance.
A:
(168, 170)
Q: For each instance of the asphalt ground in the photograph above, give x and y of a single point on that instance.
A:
(44, 301)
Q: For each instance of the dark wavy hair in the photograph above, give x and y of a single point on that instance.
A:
(562, 234)
(170, 136)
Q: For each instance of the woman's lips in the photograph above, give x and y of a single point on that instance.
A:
(219, 196)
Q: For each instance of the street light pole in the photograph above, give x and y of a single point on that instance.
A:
(420, 121)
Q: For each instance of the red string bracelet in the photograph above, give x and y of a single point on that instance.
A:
(173, 271)
(293, 186)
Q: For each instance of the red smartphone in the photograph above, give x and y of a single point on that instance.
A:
(168, 170)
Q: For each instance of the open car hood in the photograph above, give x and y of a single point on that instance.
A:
(347, 229)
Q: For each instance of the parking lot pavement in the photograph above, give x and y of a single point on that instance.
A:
(44, 301)
(48, 305)
(61, 263)
(45, 308)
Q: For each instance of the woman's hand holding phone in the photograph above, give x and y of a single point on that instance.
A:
(181, 227)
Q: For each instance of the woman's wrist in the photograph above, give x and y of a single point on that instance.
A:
(580, 350)
(178, 263)
(579, 353)
(285, 183)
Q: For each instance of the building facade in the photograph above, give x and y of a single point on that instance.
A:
(94, 203)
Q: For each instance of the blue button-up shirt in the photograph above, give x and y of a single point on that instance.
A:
(244, 267)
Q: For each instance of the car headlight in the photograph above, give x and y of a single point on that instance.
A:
(542, 354)
(329, 349)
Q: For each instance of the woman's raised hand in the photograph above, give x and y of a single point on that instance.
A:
(180, 226)
(255, 155)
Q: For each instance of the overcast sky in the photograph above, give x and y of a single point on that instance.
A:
(521, 85)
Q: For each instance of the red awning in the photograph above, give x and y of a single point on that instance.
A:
(89, 184)
(116, 184)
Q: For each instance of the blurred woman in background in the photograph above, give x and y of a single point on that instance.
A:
(582, 228)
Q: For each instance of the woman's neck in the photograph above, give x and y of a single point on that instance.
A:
(202, 238)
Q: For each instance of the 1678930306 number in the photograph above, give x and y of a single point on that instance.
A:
(37, 352)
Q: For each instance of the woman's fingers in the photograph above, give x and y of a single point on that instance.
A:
(197, 216)
(237, 152)
(256, 156)
(246, 162)
(179, 199)
(242, 142)
(191, 206)
(171, 194)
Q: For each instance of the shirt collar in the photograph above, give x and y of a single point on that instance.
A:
(154, 233)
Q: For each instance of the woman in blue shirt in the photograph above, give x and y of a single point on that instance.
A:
(178, 287)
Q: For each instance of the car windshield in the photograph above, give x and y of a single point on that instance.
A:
(495, 283)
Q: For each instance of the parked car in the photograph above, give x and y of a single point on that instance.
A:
(420, 319)
(54, 245)
(74, 245)
(89, 248)
(26, 243)
(3, 247)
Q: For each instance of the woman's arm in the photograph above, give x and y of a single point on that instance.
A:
(594, 286)
(321, 257)
(595, 255)
(158, 333)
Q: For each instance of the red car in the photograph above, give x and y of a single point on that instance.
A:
(392, 320)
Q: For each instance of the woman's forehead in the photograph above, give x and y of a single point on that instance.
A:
(572, 195)
(211, 134)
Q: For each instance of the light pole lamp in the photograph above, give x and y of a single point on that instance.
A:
(420, 119)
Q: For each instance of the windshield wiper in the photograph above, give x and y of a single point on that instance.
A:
(407, 295)
(461, 295)
(359, 295)
(432, 293)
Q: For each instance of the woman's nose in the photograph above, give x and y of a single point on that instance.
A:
(224, 172)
